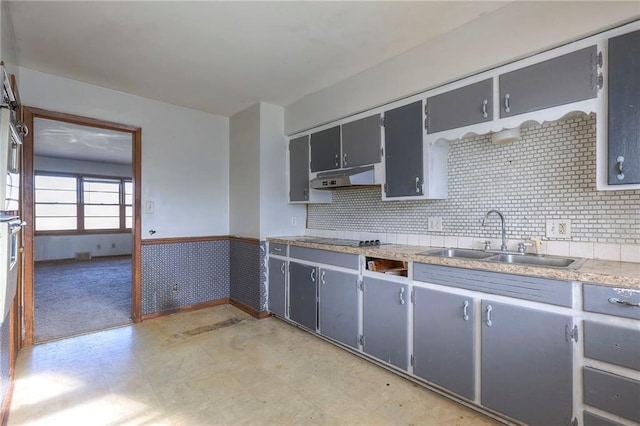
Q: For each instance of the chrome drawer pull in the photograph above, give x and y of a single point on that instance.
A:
(282, 268)
(489, 309)
(401, 295)
(465, 314)
(313, 275)
(624, 302)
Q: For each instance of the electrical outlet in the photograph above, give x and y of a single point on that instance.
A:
(559, 228)
(175, 288)
(113, 245)
(294, 221)
(434, 223)
(99, 246)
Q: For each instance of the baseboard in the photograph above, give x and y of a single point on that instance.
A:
(187, 308)
(71, 259)
(248, 309)
(6, 404)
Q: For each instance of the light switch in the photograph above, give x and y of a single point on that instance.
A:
(149, 207)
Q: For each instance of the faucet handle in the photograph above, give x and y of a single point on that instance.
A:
(522, 247)
(487, 245)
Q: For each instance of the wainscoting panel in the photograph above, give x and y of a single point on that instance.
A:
(246, 281)
(179, 274)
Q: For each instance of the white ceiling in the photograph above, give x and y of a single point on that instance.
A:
(65, 140)
(222, 57)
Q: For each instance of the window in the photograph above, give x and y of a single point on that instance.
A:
(77, 203)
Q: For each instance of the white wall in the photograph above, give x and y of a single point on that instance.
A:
(512, 32)
(65, 247)
(185, 153)
(275, 211)
(8, 46)
(244, 173)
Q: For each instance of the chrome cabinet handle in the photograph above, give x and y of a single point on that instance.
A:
(507, 103)
(306, 193)
(485, 114)
(489, 309)
(322, 277)
(401, 294)
(337, 160)
(417, 184)
(465, 314)
(620, 167)
(615, 300)
(277, 249)
(282, 268)
(313, 275)
(344, 159)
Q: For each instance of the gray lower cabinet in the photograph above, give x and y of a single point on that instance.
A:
(339, 306)
(325, 150)
(361, 142)
(385, 321)
(461, 107)
(277, 286)
(303, 295)
(557, 81)
(624, 109)
(443, 340)
(299, 169)
(527, 370)
(404, 168)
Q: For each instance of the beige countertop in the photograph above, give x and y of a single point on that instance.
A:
(612, 273)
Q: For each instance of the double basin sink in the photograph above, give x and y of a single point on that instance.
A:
(508, 257)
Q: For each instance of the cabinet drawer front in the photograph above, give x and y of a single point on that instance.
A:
(326, 257)
(519, 286)
(557, 81)
(591, 419)
(616, 345)
(460, 107)
(612, 393)
(603, 299)
(277, 248)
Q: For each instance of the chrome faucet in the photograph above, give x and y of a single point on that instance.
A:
(503, 247)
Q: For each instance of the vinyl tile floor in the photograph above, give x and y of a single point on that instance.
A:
(216, 366)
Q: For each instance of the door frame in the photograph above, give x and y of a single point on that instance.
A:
(28, 209)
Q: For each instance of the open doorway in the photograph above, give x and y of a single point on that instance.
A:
(82, 249)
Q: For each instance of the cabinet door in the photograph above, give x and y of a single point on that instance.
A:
(527, 364)
(385, 321)
(339, 306)
(558, 81)
(277, 285)
(325, 150)
(303, 291)
(467, 105)
(624, 109)
(443, 340)
(299, 169)
(361, 142)
(403, 151)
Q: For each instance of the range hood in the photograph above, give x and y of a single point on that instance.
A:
(357, 176)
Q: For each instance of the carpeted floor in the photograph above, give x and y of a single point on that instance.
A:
(76, 297)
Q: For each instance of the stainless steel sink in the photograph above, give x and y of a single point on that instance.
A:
(458, 253)
(548, 261)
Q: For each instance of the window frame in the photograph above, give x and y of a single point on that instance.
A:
(80, 205)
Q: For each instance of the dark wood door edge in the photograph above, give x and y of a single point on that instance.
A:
(248, 309)
(187, 308)
(28, 208)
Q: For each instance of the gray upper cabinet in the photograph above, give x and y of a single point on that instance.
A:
(527, 369)
(361, 142)
(624, 109)
(299, 169)
(403, 151)
(303, 295)
(385, 321)
(277, 286)
(443, 340)
(461, 107)
(325, 150)
(558, 81)
(339, 306)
